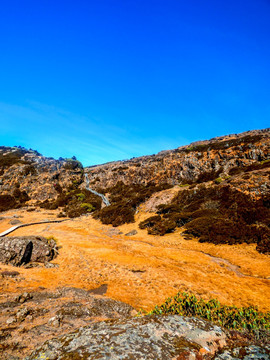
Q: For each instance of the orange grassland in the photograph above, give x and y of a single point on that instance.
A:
(141, 270)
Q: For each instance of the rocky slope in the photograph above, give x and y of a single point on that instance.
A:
(34, 175)
(216, 190)
(27, 177)
(197, 162)
(223, 189)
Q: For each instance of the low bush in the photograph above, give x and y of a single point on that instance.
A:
(11, 157)
(124, 201)
(71, 164)
(231, 317)
(7, 202)
(14, 201)
(74, 203)
(232, 218)
(88, 207)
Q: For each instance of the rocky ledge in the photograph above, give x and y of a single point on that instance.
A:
(150, 337)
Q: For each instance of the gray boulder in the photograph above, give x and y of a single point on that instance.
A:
(148, 337)
(19, 250)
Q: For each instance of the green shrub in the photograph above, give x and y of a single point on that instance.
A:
(218, 180)
(80, 196)
(231, 317)
(88, 207)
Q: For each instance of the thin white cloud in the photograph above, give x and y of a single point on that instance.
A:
(57, 132)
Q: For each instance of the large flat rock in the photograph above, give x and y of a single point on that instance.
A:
(148, 337)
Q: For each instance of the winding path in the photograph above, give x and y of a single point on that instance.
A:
(103, 197)
(13, 228)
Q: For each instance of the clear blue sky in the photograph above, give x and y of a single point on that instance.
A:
(107, 79)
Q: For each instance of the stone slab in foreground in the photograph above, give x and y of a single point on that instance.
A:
(149, 337)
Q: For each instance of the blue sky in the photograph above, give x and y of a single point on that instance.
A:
(107, 80)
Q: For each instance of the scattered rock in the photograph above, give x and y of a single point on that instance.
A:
(55, 321)
(23, 297)
(132, 232)
(32, 265)
(113, 231)
(10, 273)
(20, 250)
(15, 222)
(11, 320)
(137, 271)
(22, 313)
(247, 353)
(101, 290)
(50, 265)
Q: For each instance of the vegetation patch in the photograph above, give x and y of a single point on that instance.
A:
(124, 200)
(72, 164)
(11, 156)
(219, 214)
(73, 202)
(230, 317)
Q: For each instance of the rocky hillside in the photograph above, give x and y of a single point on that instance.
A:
(27, 177)
(35, 175)
(197, 162)
(221, 188)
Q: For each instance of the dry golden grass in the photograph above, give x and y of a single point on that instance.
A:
(142, 270)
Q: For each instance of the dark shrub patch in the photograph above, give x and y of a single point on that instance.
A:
(116, 214)
(233, 219)
(21, 196)
(256, 166)
(12, 157)
(156, 225)
(73, 202)
(71, 164)
(14, 201)
(208, 176)
(124, 201)
(7, 202)
(151, 221)
(29, 170)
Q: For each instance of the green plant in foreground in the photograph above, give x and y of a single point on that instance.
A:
(231, 317)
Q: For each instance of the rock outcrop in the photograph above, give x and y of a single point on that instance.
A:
(26, 174)
(149, 337)
(21, 250)
(196, 162)
(29, 319)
